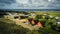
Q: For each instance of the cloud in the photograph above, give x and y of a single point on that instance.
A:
(30, 4)
(22, 1)
(7, 1)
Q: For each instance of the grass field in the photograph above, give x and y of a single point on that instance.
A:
(45, 29)
(51, 13)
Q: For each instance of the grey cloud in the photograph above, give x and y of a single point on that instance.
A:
(36, 4)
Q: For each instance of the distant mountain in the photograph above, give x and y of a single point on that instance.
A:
(12, 10)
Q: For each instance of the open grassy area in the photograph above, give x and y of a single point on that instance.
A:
(9, 26)
(51, 13)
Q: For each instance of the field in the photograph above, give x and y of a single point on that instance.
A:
(10, 27)
(51, 13)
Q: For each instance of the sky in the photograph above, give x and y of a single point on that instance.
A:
(29, 4)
